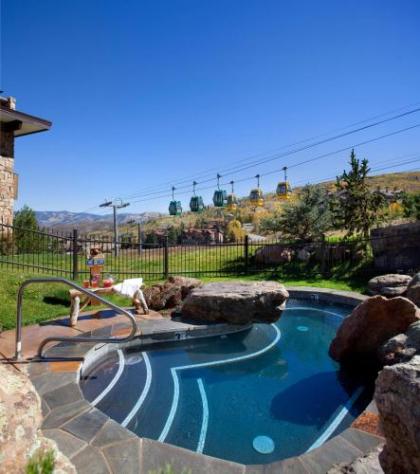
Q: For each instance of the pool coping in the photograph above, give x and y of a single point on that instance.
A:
(96, 443)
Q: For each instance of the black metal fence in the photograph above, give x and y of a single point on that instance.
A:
(65, 254)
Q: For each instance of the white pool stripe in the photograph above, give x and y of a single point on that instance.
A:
(174, 370)
(337, 420)
(316, 309)
(144, 392)
(174, 406)
(115, 379)
(205, 422)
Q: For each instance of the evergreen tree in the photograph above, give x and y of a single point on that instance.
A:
(25, 233)
(308, 218)
(173, 235)
(355, 207)
(411, 205)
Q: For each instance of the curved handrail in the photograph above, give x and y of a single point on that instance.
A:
(18, 352)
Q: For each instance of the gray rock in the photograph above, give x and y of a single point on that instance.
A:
(402, 347)
(368, 464)
(413, 290)
(397, 397)
(237, 303)
(389, 285)
(274, 254)
(392, 352)
(304, 255)
(413, 336)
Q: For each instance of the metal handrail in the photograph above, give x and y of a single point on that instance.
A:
(18, 351)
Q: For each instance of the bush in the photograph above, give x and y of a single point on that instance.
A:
(234, 231)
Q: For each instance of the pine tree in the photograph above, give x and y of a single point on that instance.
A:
(355, 207)
(26, 236)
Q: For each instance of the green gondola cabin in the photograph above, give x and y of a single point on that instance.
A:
(175, 208)
(196, 204)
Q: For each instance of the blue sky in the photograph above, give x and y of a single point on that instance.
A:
(142, 93)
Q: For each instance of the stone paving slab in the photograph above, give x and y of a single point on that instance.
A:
(32, 336)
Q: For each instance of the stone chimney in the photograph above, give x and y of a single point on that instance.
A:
(8, 102)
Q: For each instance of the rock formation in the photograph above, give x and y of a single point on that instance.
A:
(413, 290)
(389, 285)
(274, 254)
(237, 303)
(368, 464)
(171, 293)
(403, 347)
(20, 419)
(397, 397)
(362, 334)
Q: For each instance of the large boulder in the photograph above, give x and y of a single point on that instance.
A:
(171, 293)
(361, 335)
(273, 254)
(389, 285)
(397, 397)
(20, 420)
(413, 290)
(236, 303)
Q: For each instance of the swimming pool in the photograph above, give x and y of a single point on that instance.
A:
(253, 397)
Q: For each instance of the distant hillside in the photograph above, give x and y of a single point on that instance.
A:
(87, 222)
(408, 182)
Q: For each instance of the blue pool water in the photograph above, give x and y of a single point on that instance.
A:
(253, 397)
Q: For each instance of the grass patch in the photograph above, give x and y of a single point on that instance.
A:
(48, 301)
(41, 302)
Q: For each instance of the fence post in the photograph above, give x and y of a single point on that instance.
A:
(75, 265)
(324, 249)
(139, 242)
(165, 259)
(246, 254)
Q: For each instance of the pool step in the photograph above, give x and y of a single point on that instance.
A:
(119, 401)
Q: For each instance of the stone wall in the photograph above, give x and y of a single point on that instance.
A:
(7, 189)
(396, 247)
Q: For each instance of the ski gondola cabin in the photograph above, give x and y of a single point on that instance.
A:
(175, 208)
(256, 197)
(284, 190)
(196, 204)
(231, 203)
(219, 198)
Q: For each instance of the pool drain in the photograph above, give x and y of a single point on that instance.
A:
(302, 328)
(263, 444)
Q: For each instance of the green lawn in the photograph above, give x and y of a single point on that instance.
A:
(43, 302)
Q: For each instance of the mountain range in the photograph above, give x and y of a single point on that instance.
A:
(66, 220)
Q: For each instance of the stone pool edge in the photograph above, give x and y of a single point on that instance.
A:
(96, 443)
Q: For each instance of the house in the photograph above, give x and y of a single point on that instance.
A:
(13, 124)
